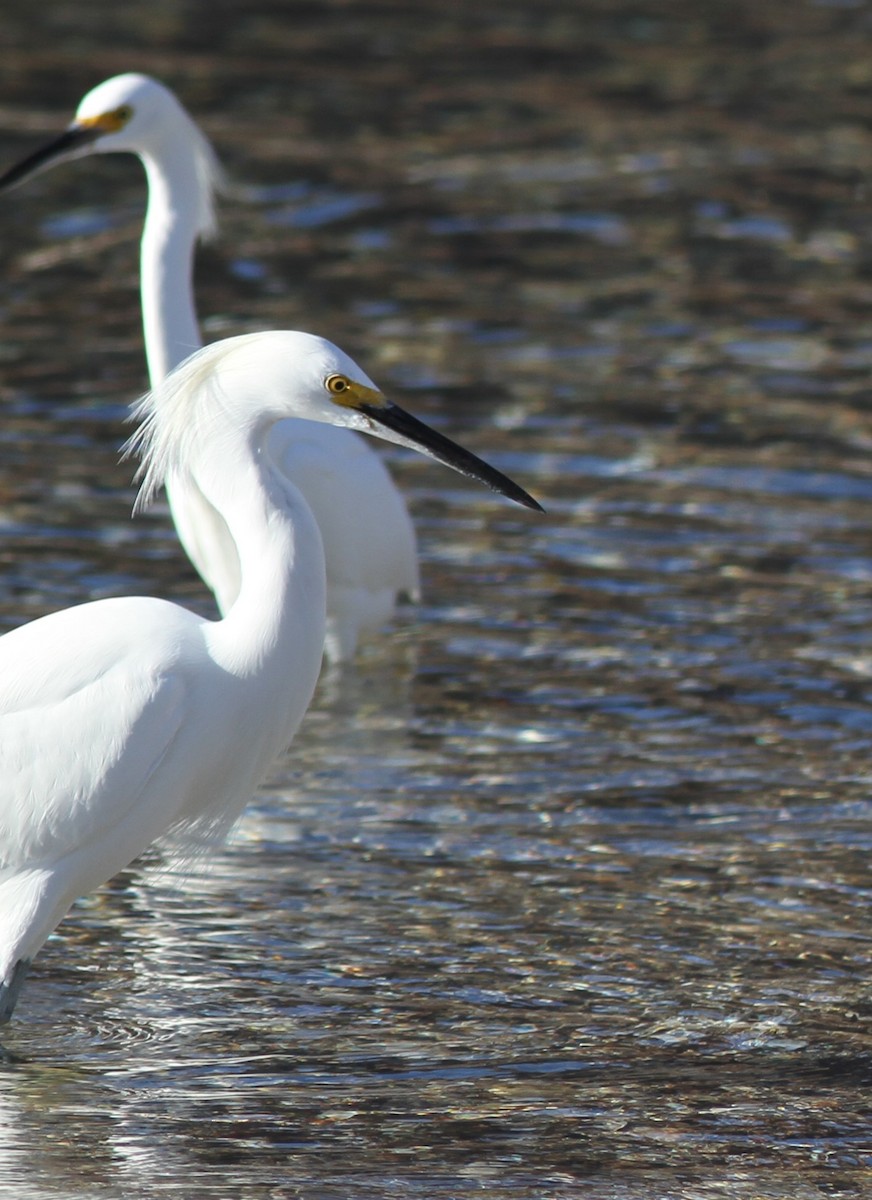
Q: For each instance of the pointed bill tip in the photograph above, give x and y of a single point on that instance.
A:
(409, 431)
(529, 501)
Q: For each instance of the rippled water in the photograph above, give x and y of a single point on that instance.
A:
(563, 888)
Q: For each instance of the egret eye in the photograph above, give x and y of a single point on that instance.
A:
(108, 122)
(337, 384)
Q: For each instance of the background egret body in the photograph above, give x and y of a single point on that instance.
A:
(340, 476)
(128, 718)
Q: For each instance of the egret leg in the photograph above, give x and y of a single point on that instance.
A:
(9, 991)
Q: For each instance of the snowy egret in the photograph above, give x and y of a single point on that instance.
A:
(126, 719)
(341, 477)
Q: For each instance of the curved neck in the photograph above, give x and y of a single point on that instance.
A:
(275, 628)
(167, 258)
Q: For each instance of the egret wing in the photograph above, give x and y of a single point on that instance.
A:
(89, 706)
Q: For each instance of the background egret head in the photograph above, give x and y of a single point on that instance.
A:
(135, 114)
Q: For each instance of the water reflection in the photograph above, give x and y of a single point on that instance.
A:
(563, 888)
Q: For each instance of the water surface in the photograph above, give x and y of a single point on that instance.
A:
(563, 888)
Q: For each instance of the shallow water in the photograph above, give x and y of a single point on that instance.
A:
(563, 888)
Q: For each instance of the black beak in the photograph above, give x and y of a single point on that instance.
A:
(76, 138)
(411, 432)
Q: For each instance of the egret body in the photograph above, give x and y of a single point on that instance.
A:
(367, 568)
(127, 719)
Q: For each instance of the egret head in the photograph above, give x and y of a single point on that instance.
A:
(132, 113)
(249, 382)
(124, 113)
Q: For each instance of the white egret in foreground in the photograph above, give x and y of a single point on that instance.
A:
(341, 477)
(127, 719)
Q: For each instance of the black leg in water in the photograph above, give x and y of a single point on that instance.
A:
(9, 991)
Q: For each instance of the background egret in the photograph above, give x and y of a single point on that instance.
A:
(128, 718)
(340, 476)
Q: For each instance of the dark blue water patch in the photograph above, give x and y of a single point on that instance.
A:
(275, 193)
(714, 217)
(71, 406)
(325, 208)
(569, 465)
(25, 404)
(82, 223)
(377, 310)
(77, 439)
(672, 329)
(496, 335)
(371, 240)
(420, 376)
(822, 720)
(780, 324)
(808, 385)
(552, 352)
(845, 566)
(54, 537)
(248, 269)
(755, 228)
(772, 481)
(711, 210)
(793, 357)
(857, 356)
(618, 555)
(601, 227)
